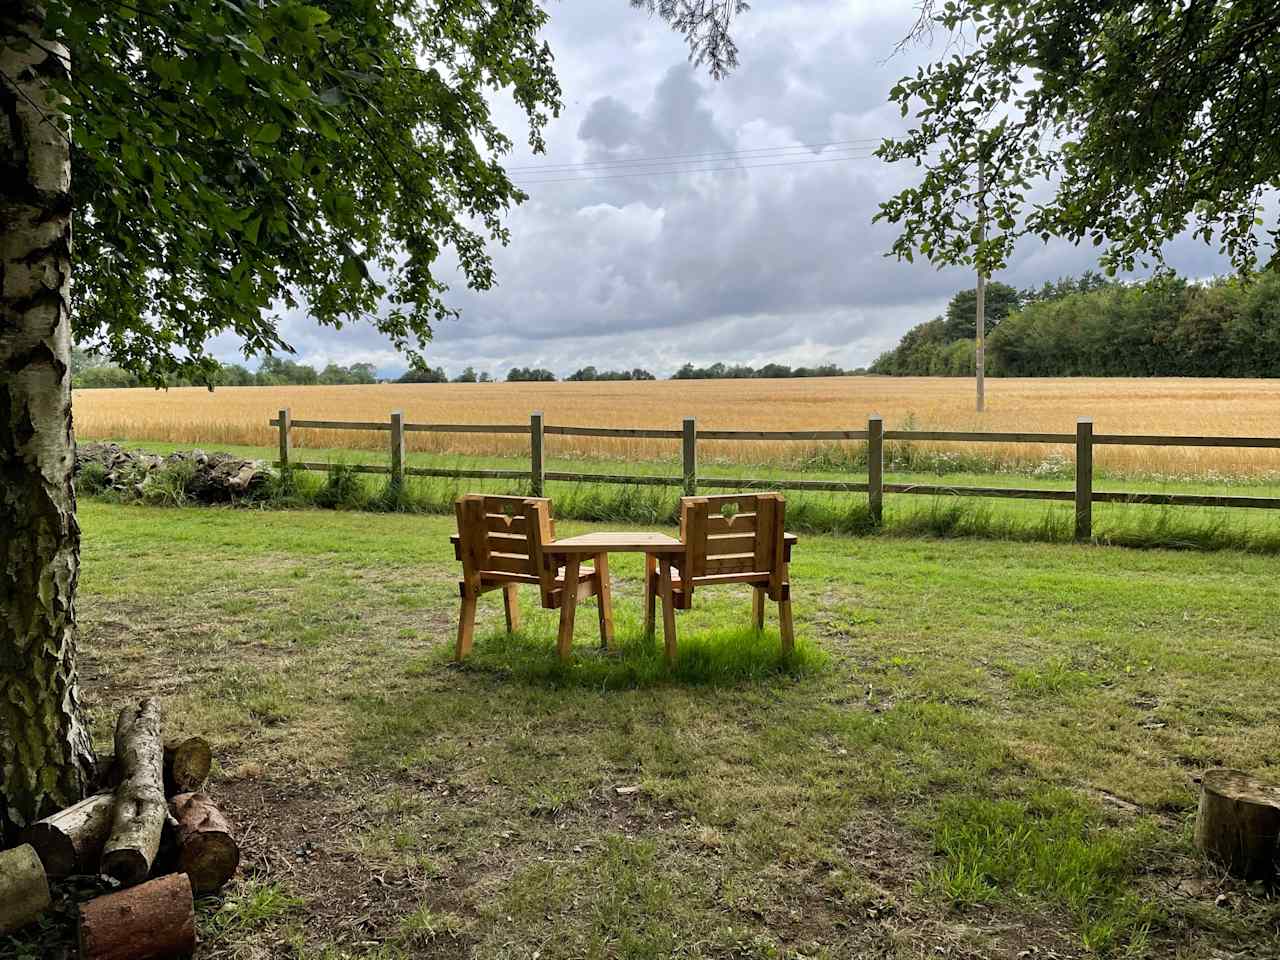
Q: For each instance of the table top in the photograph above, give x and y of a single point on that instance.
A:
(624, 542)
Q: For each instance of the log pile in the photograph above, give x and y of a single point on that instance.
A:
(151, 829)
(214, 477)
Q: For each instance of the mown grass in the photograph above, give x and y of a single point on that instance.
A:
(981, 748)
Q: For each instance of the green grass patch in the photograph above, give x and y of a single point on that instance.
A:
(723, 657)
(1052, 847)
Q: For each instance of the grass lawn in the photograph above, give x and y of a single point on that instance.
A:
(981, 749)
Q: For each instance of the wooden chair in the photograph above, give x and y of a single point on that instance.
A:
(500, 542)
(738, 538)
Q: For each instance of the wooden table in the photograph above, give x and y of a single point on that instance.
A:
(571, 550)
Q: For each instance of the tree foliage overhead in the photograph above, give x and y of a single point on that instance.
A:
(236, 159)
(1146, 117)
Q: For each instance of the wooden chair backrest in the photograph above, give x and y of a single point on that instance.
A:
(734, 534)
(501, 539)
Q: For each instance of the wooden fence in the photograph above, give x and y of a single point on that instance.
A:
(1084, 496)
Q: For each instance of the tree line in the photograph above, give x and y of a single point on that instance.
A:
(90, 371)
(1092, 327)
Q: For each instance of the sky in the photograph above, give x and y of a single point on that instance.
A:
(772, 258)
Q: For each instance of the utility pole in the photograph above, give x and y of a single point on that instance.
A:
(980, 348)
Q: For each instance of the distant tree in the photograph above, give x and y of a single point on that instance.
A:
(485, 377)
(584, 373)
(468, 375)
(423, 375)
(363, 373)
(529, 374)
(641, 374)
(961, 321)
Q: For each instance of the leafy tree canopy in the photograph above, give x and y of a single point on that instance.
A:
(236, 159)
(1145, 117)
(962, 312)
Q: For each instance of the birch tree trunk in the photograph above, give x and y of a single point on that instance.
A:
(46, 756)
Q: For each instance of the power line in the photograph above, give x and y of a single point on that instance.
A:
(656, 173)
(745, 153)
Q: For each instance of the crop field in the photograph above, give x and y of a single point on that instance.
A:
(240, 415)
(982, 749)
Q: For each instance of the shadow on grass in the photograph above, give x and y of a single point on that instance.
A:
(707, 658)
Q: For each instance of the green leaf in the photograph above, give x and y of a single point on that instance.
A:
(267, 133)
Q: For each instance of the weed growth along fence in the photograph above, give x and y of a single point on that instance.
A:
(875, 435)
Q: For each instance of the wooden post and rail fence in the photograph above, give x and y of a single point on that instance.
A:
(1083, 495)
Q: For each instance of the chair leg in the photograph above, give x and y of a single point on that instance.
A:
(668, 609)
(511, 603)
(466, 626)
(788, 629)
(568, 607)
(604, 601)
(650, 593)
(757, 608)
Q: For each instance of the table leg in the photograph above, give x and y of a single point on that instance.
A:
(568, 606)
(668, 609)
(650, 593)
(604, 601)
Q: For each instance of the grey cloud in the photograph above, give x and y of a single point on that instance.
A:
(744, 265)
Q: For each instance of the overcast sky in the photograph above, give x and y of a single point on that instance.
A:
(777, 263)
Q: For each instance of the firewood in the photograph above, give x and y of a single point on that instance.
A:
(186, 765)
(207, 851)
(71, 840)
(152, 921)
(1238, 822)
(140, 809)
(24, 889)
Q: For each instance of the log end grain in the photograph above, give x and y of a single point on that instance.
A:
(126, 864)
(187, 764)
(24, 888)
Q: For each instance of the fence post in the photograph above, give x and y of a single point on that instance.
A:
(689, 457)
(397, 448)
(286, 441)
(1084, 478)
(875, 468)
(537, 472)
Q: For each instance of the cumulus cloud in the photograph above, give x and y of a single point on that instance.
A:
(770, 255)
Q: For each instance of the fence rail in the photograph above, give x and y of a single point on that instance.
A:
(1084, 440)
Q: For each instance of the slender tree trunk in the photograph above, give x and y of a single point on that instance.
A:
(46, 756)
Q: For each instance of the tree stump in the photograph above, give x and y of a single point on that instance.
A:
(186, 765)
(207, 852)
(140, 809)
(152, 921)
(1238, 822)
(24, 889)
(71, 840)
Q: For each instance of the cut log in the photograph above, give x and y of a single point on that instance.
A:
(152, 921)
(1238, 822)
(186, 765)
(140, 809)
(207, 851)
(24, 889)
(71, 840)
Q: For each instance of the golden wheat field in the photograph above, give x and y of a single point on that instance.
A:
(240, 415)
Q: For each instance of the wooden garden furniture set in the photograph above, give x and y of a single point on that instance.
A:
(504, 542)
